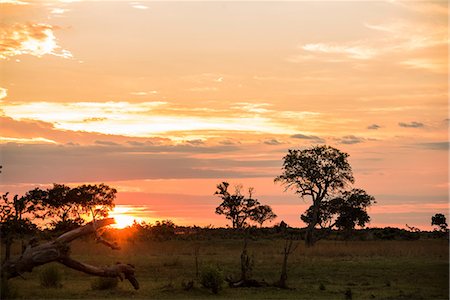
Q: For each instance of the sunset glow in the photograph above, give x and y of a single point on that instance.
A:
(165, 100)
(124, 217)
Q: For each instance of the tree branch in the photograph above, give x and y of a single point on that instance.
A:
(58, 250)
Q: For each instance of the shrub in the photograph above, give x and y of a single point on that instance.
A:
(211, 278)
(50, 277)
(104, 283)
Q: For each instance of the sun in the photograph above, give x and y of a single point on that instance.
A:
(124, 217)
(123, 221)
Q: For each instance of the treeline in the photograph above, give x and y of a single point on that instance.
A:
(167, 230)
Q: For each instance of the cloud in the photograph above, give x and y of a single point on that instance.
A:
(412, 124)
(106, 143)
(272, 142)
(374, 127)
(138, 5)
(31, 39)
(143, 119)
(103, 163)
(308, 137)
(196, 142)
(14, 2)
(3, 93)
(444, 146)
(351, 139)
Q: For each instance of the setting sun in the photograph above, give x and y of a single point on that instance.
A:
(123, 217)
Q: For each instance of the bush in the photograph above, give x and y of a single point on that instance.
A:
(104, 283)
(50, 277)
(211, 278)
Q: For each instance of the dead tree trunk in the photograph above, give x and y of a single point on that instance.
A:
(58, 250)
(246, 272)
(289, 247)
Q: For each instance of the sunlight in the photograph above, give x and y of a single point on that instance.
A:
(124, 217)
(123, 221)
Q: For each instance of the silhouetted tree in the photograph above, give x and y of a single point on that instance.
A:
(263, 213)
(16, 219)
(343, 212)
(67, 206)
(240, 209)
(441, 221)
(317, 172)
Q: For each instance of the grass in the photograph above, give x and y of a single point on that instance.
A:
(370, 270)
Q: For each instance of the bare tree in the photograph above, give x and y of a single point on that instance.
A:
(58, 250)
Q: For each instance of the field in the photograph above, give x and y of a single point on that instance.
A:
(330, 270)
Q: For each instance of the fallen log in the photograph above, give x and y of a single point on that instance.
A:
(58, 250)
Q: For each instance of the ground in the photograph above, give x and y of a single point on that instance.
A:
(330, 270)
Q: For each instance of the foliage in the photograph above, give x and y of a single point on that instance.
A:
(320, 173)
(67, 205)
(104, 283)
(440, 221)
(263, 213)
(50, 276)
(211, 277)
(240, 209)
(343, 212)
(16, 216)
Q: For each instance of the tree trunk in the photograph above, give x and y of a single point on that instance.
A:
(8, 244)
(310, 239)
(58, 251)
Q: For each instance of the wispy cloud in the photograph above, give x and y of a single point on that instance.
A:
(31, 39)
(351, 139)
(272, 142)
(312, 138)
(374, 127)
(412, 124)
(138, 5)
(444, 146)
(14, 2)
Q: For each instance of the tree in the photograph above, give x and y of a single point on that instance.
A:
(440, 221)
(16, 216)
(58, 250)
(263, 213)
(344, 212)
(241, 209)
(317, 172)
(67, 206)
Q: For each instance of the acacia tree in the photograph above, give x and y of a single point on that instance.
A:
(67, 206)
(263, 213)
(318, 173)
(439, 220)
(240, 209)
(344, 212)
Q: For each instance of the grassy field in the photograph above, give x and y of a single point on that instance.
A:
(330, 270)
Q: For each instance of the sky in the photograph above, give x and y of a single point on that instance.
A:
(164, 100)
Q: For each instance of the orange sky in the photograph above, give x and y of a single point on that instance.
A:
(164, 100)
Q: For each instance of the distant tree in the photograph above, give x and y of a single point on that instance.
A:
(263, 213)
(16, 219)
(440, 221)
(344, 212)
(318, 173)
(67, 206)
(241, 209)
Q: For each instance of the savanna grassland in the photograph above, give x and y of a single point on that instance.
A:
(330, 270)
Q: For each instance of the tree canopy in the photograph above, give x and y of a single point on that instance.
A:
(440, 221)
(240, 209)
(321, 173)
